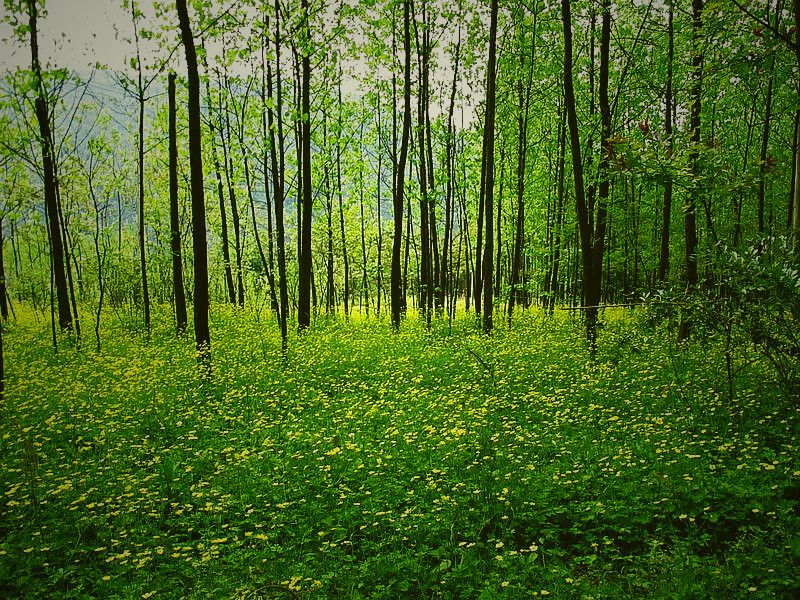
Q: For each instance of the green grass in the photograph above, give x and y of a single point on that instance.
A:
(380, 465)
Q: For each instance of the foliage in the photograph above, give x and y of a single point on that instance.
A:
(751, 304)
(376, 465)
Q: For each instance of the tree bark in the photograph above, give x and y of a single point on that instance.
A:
(488, 161)
(398, 204)
(199, 242)
(305, 266)
(174, 215)
(666, 215)
(689, 218)
(50, 183)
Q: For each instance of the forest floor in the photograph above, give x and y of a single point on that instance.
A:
(437, 464)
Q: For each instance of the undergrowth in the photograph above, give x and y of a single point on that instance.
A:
(370, 464)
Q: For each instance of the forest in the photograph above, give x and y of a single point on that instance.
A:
(397, 298)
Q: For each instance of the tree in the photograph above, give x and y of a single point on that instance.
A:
(174, 216)
(591, 240)
(398, 204)
(488, 168)
(199, 242)
(304, 236)
(52, 208)
(689, 215)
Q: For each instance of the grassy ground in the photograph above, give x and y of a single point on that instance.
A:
(422, 464)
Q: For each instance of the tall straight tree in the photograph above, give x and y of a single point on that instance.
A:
(278, 160)
(663, 263)
(488, 166)
(524, 101)
(199, 242)
(51, 195)
(396, 276)
(689, 213)
(304, 266)
(591, 239)
(174, 220)
(141, 88)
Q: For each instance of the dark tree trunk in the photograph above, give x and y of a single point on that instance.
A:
(379, 209)
(278, 170)
(562, 150)
(666, 216)
(425, 284)
(762, 169)
(174, 215)
(445, 263)
(488, 162)
(199, 242)
(140, 141)
(227, 150)
(50, 183)
(590, 279)
(689, 218)
(305, 265)
(396, 281)
(3, 291)
(523, 99)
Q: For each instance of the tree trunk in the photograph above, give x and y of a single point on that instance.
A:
(199, 242)
(278, 170)
(140, 148)
(227, 150)
(396, 281)
(488, 161)
(174, 216)
(50, 183)
(689, 218)
(305, 266)
(666, 216)
(524, 100)
(345, 257)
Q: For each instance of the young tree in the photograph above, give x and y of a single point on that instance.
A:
(304, 235)
(397, 290)
(174, 215)
(51, 195)
(199, 242)
(488, 168)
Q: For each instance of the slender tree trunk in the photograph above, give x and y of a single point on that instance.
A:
(666, 216)
(227, 149)
(524, 99)
(174, 215)
(396, 281)
(305, 265)
(345, 257)
(562, 150)
(762, 169)
(796, 192)
(140, 98)
(278, 169)
(488, 161)
(447, 242)
(598, 241)
(223, 213)
(364, 275)
(379, 185)
(50, 183)
(498, 260)
(689, 218)
(3, 291)
(584, 223)
(199, 243)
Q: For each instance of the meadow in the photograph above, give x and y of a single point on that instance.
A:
(369, 464)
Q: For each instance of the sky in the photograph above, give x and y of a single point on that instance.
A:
(73, 34)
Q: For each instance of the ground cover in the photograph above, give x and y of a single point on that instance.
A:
(434, 463)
